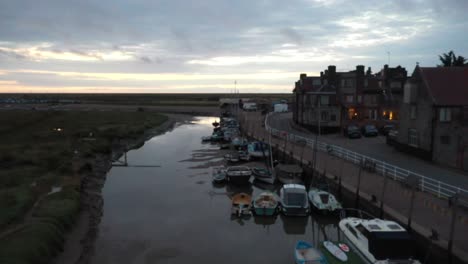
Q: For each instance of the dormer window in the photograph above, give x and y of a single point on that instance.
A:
(445, 114)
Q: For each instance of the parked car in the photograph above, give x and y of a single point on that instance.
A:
(352, 131)
(391, 137)
(386, 128)
(370, 131)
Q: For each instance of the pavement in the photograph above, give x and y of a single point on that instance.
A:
(376, 148)
(429, 212)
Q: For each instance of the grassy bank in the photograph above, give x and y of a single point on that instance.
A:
(44, 149)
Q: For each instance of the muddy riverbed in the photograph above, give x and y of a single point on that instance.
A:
(174, 214)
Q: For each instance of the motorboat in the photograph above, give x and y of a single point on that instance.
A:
(206, 138)
(241, 204)
(305, 253)
(289, 173)
(293, 199)
(238, 174)
(323, 201)
(239, 142)
(263, 174)
(265, 204)
(219, 174)
(258, 149)
(379, 241)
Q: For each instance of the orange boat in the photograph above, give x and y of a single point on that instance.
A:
(241, 204)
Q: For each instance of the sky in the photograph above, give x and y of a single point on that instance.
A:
(212, 46)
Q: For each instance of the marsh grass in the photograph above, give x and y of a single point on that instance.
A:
(38, 150)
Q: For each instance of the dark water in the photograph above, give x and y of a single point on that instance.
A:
(174, 214)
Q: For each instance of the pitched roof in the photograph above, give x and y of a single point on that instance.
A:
(447, 85)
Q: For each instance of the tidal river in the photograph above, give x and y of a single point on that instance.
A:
(174, 214)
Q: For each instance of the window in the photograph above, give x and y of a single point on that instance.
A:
(324, 116)
(373, 114)
(316, 82)
(349, 98)
(445, 140)
(333, 117)
(445, 114)
(359, 98)
(366, 83)
(413, 112)
(324, 100)
(346, 82)
(413, 137)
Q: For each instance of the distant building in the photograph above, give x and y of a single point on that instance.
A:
(353, 97)
(435, 123)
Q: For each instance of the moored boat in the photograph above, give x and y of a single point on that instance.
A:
(241, 204)
(265, 204)
(323, 201)
(332, 254)
(258, 149)
(305, 253)
(288, 173)
(263, 174)
(379, 241)
(219, 174)
(238, 174)
(293, 199)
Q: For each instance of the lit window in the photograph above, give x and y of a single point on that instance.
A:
(445, 114)
(391, 115)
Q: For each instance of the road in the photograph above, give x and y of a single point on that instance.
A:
(378, 149)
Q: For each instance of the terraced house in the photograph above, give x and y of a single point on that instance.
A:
(435, 125)
(338, 99)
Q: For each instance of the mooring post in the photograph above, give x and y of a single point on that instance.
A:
(454, 202)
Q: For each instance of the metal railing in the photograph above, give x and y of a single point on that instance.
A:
(426, 184)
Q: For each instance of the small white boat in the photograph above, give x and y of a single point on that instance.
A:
(263, 174)
(379, 241)
(206, 138)
(335, 251)
(323, 201)
(219, 174)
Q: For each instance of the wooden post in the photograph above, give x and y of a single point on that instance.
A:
(454, 202)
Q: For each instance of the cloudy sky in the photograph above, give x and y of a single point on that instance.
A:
(205, 45)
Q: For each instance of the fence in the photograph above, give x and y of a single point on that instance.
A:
(426, 184)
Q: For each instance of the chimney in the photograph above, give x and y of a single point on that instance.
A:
(321, 74)
(360, 69)
(303, 76)
(332, 69)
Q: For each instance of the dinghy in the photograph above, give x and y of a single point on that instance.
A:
(263, 174)
(219, 174)
(241, 203)
(265, 204)
(335, 251)
(305, 253)
(323, 201)
(289, 173)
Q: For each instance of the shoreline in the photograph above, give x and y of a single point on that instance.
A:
(79, 241)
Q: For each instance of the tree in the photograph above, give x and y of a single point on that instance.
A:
(451, 60)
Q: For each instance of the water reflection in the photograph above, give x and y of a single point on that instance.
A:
(176, 206)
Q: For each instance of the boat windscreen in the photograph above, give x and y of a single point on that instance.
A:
(324, 198)
(295, 199)
(391, 245)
